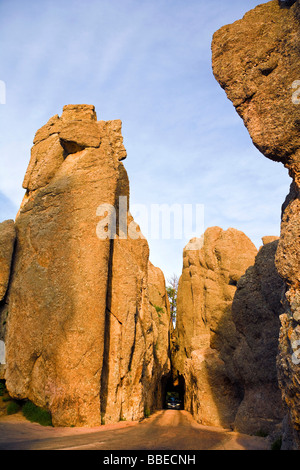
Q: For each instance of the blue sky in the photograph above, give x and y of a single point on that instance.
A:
(148, 63)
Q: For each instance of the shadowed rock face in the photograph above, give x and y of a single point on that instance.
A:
(256, 61)
(81, 327)
(256, 309)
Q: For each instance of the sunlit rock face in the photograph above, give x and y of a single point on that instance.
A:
(7, 244)
(256, 61)
(81, 325)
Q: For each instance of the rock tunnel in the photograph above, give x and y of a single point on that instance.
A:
(173, 390)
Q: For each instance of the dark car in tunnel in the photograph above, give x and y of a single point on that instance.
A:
(173, 404)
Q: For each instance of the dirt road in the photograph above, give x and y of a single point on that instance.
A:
(165, 430)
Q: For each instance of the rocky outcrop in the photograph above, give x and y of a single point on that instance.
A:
(226, 337)
(255, 312)
(256, 61)
(81, 327)
(7, 243)
(206, 335)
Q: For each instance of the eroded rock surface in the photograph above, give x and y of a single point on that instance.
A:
(256, 61)
(80, 322)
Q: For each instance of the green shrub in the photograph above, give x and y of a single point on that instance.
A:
(6, 399)
(2, 388)
(36, 415)
(147, 413)
(277, 444)
(261, 433)
(159, 309)
(13, 407)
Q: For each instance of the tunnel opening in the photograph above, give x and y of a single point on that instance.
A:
(173, 387)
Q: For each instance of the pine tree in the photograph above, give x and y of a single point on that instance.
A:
(172, 289)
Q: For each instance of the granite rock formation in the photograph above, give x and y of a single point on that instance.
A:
(81, 326)
(226, 338)
(256, 309)
(205, 334)
(256, 61)
(7, 243)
